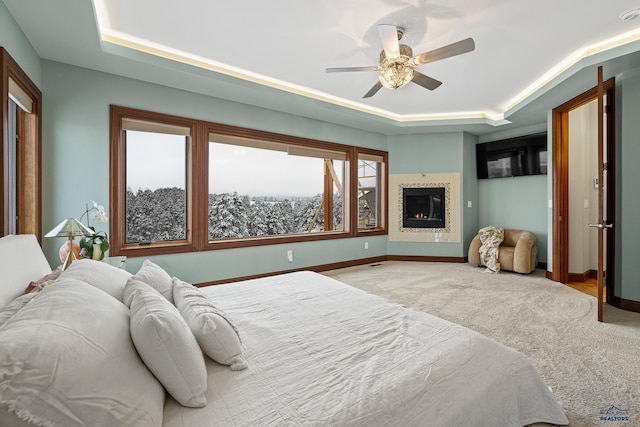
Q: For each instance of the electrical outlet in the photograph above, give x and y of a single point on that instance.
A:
(290, 256)
(366, 245)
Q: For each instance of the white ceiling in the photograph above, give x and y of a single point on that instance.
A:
(274, 54)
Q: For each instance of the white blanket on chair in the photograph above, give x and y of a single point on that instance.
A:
(491, 237)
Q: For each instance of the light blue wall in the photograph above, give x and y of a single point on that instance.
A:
(470, 191)
(18, 46)
(550, 160)
(76, 164)
(427, 153)
(627, 224)
(516, 203)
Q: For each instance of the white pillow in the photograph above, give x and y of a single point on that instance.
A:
(216, 335)
(153, 275)
(21, 262)
(67, 360)
(166, 345)
(100, 274)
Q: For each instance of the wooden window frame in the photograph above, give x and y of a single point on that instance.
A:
(29, 152)
(117, 196)
(382, 196)
(197, 172)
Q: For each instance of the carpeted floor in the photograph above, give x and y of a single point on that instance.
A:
(590, 366)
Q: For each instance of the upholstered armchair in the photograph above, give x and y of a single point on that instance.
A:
(518, 251)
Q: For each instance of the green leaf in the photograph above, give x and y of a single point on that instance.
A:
(86, 243)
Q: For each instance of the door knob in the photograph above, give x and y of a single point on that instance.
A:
(601, 225)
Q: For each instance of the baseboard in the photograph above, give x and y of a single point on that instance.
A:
(426, 258)
(353, 263)
(625, 304)
(583, 277)
(342, 264)
(345, 264)
(316, 268)
(573, 277)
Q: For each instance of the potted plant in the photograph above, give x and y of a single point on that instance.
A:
(95, 245)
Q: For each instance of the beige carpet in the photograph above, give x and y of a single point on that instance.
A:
(589, 365)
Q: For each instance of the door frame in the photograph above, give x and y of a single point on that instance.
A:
(560, 173)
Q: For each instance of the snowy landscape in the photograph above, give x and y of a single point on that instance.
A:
(160, 215)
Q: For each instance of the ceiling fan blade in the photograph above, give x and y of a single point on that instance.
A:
(376, 87)
(457, 48)
(425, 81)
(390, 43)
(339, 70)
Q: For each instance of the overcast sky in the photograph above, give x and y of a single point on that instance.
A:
(151, 164)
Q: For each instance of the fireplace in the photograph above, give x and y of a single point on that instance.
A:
(442, 194)
(423, 207)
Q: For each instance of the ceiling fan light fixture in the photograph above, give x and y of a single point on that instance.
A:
(397, 62)
(395, 73)
(630, 14)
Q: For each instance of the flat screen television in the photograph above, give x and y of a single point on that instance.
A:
(520, 156)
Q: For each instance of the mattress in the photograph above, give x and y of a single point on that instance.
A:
(322, 353)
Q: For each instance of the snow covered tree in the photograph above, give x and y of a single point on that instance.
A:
(304, 215)
(227, 216)
(153, 216)
(160, 215)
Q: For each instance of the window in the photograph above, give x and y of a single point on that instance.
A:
(20, 210)
(182, 185)
(156, 182)
(371, 176)
(151, 202)
(11, 186)
(259, 188)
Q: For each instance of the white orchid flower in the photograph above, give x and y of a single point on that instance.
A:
(98, 212)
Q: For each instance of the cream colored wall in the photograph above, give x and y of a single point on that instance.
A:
(583, 196)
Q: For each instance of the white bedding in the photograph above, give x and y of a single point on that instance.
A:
(323, 353)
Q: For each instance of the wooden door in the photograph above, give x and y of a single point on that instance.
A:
(603, 225)
(560, 170)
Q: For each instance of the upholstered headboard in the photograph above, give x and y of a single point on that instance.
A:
(21, 262)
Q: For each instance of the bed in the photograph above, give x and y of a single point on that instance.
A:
(318, 351)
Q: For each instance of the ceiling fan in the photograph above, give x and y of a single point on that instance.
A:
(397, 62)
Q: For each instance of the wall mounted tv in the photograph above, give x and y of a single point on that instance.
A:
(520, 156)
